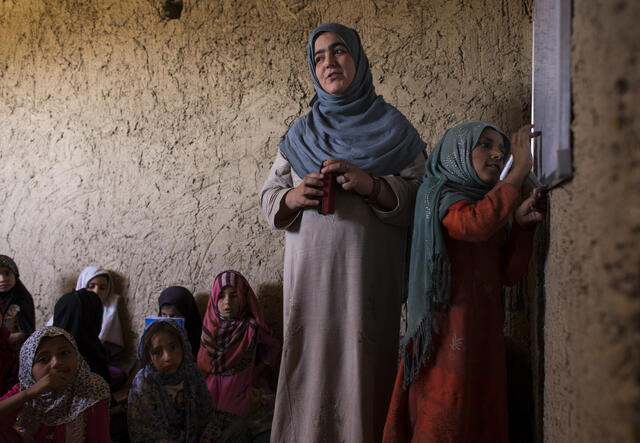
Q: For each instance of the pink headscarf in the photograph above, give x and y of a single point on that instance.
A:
(225, 340)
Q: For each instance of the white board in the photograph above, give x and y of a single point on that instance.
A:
(551, 91)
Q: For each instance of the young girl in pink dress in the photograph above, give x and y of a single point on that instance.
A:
(58, 398)
(236, 350)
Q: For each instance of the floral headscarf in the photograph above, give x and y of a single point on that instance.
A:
(85, 390)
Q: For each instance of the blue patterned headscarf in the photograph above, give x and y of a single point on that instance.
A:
(152, 416)
(358, 126)
(449, 178)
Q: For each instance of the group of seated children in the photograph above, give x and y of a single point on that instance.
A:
(196, 383)
(206, 381)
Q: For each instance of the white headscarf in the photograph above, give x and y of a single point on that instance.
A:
(111, 331)
(91, 272)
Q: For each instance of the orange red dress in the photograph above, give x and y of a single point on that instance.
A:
(459, 395)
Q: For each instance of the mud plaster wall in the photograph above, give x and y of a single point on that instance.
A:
(592, 333)
(140, 144)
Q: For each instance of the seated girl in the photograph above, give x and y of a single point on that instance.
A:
(177, 301)
(97, 280)
(237, 349)
(451, 383)
(168, 400)
(58, 398)
(16, 301)
(80, 313)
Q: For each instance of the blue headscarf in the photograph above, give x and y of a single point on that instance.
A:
(152, 416)
(358, 126)
(449, 178)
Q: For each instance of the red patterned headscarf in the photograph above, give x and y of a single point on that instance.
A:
(225, 341)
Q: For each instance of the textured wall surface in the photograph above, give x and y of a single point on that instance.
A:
(592, 335)
(140, 143)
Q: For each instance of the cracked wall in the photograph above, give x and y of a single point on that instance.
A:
(592, 287)
(140, 143)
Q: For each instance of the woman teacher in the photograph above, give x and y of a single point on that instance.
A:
(344, 272)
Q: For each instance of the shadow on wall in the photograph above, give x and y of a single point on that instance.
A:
(168, 9)
(524, 337)
(519, 392)
(68, 284)
(270, 297)
(202, 299)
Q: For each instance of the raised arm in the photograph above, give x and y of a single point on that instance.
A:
(478, 222)
(15, 399)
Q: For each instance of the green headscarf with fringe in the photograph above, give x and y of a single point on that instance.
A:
(449, 178)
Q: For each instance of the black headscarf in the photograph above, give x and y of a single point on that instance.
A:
(80, 314)
(184, 302)
(18, 295)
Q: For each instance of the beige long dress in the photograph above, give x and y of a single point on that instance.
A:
(344, 276)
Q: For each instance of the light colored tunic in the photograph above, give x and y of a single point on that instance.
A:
(344, 278)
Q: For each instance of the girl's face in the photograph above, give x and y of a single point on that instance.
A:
(228, 302)
(487, 156)
(170, 311)
(55, 356)
(7, 279)
(335, 68)
(166, 352)
(99, 285)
